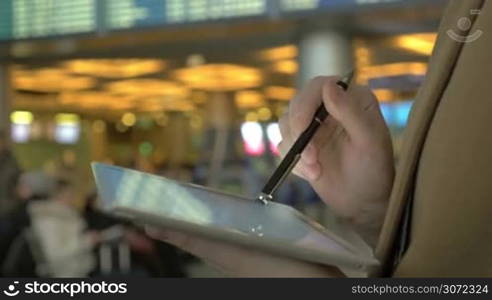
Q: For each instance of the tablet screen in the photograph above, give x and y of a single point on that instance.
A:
(120, 187)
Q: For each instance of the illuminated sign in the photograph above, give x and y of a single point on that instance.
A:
(137, 13)
(67, 130)
(299, 5)
(252, 134)
(274, 136)
(21, 126)
(39, 18)
(134, 13)
(396, 113)
(200, 10)
(23, 19)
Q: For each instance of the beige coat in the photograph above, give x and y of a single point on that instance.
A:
(446, 160)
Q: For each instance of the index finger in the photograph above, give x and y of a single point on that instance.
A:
(305, 104)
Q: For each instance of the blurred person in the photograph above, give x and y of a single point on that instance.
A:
(35, 185)
(47, 236)
(442, 185)
(64, 245)
(15, 256)
(148, 256)
(9, 173)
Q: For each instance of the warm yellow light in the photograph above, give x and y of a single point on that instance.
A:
(97, 101)
(396, 69)
(285, 66)
(219, 77)
(148, 87)
(362, 53)
(421, 43)
(21, 117)
(280, 111)
(280, 93)
(249, 99)
(128, 119)
(251, 117)
(115, 68)
(99, 126)
(363, 56)
(264, 114)
(179, 106)
(157, 104)
(50, 80)
(385, 94)
(279, 53)
(199, 97)
(64, 118)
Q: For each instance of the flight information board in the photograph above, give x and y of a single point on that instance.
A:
(299, 5)
(21, 19)
(24, 19)
(137, 13)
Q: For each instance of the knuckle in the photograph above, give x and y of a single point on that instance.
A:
(320, 81)
(283, 124)
(299, 120)
(331, 89)
(366, 98)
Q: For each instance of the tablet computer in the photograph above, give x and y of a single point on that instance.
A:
(160, 202)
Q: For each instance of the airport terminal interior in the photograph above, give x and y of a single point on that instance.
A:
(192, 89)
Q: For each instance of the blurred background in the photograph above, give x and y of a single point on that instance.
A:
(188, 89)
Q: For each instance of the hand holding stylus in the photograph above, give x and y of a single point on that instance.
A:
(349, 161)
(292, 156)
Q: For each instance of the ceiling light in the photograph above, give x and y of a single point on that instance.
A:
(128, 119)
(115, 68)
(287, 66)
(50, 80)
(420, 43)
(278, 53)
(249, 99)
(147, 87)
(395, 69)
(280, 92)
(220, 77)
(21, 117)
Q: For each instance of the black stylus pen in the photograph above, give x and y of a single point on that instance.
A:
(294, 154)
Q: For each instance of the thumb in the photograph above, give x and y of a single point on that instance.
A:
(355, 109)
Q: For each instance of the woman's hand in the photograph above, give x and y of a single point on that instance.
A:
(240, 261)
(349, 162)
